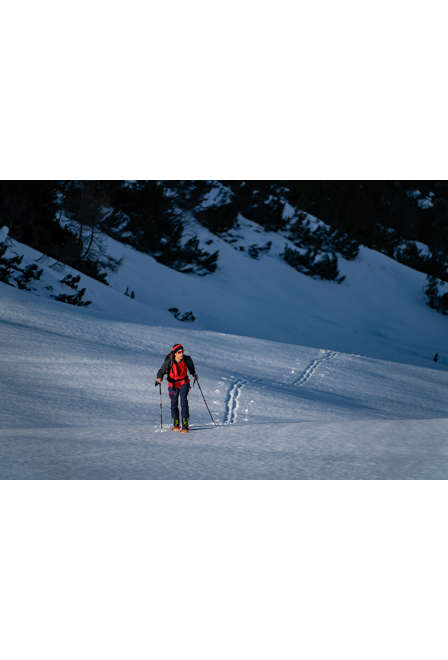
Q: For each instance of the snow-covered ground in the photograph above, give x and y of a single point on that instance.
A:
(79, 402)
(378, 311)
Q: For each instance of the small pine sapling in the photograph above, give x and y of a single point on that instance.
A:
(71, 280)
(187, 316)
(31, 272)
(75, 299)
(8, 265)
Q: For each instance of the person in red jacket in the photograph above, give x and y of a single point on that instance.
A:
(176, 366)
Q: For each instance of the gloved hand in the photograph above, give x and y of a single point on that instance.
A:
(158, 381)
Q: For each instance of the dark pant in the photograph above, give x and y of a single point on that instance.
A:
(174, 397)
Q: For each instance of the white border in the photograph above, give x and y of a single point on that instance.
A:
(209, 90)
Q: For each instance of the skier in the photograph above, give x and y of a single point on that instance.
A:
(177, 365)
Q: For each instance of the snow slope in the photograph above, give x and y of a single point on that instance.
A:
(378, 311)
(78, 396)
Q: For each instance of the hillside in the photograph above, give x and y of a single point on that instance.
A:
(379, 309)
(305, 378)
(79, 403)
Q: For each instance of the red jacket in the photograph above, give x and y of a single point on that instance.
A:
(178, 374)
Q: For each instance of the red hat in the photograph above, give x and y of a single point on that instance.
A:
(177, 347)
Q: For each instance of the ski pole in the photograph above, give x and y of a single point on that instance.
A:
(161, 421)
(160, 389)
(200, 388)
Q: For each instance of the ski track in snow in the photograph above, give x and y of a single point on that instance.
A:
(232, 401)
(233, 395)
(311, 368)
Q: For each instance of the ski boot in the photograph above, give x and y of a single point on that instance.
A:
(184, 428)
(175, 426)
